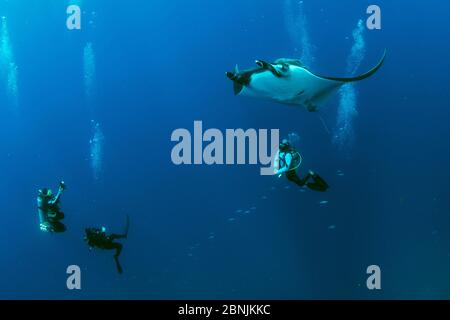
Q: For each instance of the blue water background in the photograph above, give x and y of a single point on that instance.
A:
(159, 66)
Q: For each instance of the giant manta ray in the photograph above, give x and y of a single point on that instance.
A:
(288, 81)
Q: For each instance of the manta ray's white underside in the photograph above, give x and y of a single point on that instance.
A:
(298, 86)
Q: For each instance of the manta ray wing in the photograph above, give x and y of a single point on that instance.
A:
(320, 88)
(360, 77)
(304, 88)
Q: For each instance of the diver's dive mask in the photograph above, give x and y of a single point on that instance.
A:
(285, 146)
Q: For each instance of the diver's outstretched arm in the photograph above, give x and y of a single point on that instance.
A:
(127, 225)
(122, 236)
(57, 197)
(115, 236)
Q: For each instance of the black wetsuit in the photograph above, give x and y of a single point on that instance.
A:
(96, 238)
(317, 183)
(50, 213)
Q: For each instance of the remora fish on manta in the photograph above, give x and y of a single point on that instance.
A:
(288, 81)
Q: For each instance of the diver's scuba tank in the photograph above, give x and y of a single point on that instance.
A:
(296, 159)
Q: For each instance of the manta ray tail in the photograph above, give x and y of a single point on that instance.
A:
(361, 77)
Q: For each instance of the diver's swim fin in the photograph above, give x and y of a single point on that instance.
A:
(316, 187)
(318, 179)
(319, 184)
(58, 227)
(127, 225)
(119, 267)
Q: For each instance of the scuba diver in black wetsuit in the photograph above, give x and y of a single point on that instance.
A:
(97, 238)
(50, 214)
(289, 160)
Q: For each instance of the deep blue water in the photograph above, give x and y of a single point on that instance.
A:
(159, 65)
